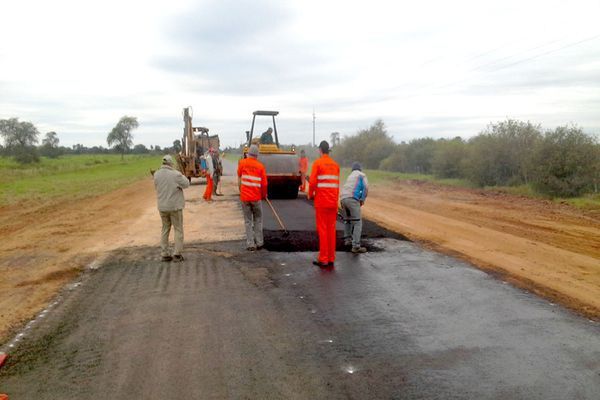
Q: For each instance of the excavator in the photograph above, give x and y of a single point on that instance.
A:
(282, 166)
(194, 144)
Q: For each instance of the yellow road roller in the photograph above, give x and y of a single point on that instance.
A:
(282, 166)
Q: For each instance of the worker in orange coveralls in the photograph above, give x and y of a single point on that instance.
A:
(303, 170)
(252, 181)
(209, 175)
(324, 188)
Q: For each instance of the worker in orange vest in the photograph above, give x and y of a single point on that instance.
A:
(209, 175)
(252, 181)
(324, 188)
(303, 164)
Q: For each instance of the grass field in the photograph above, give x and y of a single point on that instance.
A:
(71, 176)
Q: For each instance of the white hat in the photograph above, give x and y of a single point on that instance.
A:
(167, 159)
(253, 151)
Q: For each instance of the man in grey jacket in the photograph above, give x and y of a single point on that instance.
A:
(169, 184)
(353, 196)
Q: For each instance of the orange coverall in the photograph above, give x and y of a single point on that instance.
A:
(209, 188)
(324, 188)
(303, 170)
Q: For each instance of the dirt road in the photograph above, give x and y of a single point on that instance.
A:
(551, 249)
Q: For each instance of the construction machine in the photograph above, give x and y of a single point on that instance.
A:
(282, 166)
(194, 144)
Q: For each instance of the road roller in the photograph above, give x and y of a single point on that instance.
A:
(282, 166)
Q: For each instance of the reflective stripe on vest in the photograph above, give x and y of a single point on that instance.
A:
(252, 178)
(328, 185)
(321, 177)
(251, 183)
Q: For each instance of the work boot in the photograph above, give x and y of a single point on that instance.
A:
(320, 264)
(251, 248)
(359, 249)
(166, 258)
(178, 258)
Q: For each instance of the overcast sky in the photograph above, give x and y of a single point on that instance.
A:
(427, 68)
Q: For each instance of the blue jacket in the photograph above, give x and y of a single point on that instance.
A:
(356, 186)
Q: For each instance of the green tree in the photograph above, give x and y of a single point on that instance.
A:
(420, 154)
(140, 149)
(566, 162)
(50, 145)
(120, 137)
(397, 161)
(368, 146)
(334, 138)
(20, 139)
(177, 146)
(448, 158)
(502, 154)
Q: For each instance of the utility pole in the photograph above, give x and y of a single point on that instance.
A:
(314, 118)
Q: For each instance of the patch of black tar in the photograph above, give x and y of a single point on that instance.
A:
(309, 240)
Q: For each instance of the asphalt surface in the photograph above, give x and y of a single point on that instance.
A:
(398, 323)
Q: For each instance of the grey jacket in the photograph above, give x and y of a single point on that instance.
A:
(169, 184)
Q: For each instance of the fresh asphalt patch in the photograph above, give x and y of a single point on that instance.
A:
(298, 217)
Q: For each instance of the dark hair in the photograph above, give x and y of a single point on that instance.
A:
(324, 146)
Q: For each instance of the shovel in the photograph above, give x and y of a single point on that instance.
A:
(285, 232)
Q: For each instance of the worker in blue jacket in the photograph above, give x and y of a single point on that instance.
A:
(353, 196)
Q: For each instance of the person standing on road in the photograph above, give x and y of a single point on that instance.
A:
(303, 165)
(252, 181)
(324, 188)
(218, 167)
(210, 170)
(354, 193)
(169, 184)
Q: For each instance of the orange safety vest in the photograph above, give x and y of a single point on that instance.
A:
(253, 178)
(324, 184)
(303, 164)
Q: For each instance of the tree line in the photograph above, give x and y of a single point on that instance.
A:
(21, 141)
(560, 162)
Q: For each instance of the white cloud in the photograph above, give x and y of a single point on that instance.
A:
(432, 68)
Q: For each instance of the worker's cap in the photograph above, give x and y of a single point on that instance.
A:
(324, 146)
(167, 159)
(356, 166)
(253, 151)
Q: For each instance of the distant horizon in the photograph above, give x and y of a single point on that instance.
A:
(318, 137)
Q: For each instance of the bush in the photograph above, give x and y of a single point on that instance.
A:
(566, 163)
(397, 161)
(26, 154)
(419, 154)
(448, 158)
(502, 154)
